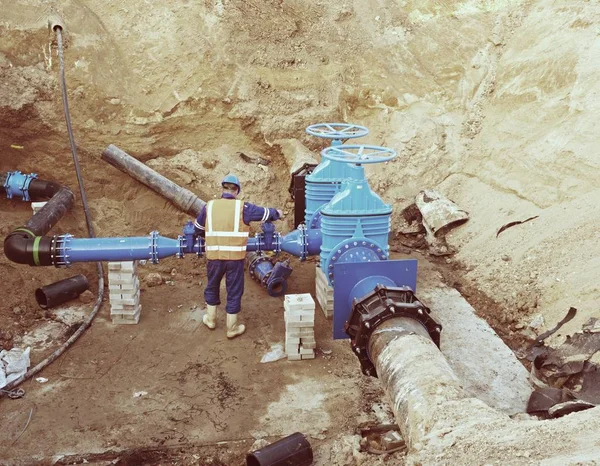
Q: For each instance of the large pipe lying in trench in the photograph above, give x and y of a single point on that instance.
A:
(182, 198)
(414, 374)
(395, 338)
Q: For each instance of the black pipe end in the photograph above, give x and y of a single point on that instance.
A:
(293, 450)
(62, 291)
(41, 298)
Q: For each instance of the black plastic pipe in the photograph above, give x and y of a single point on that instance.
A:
(53, 295)
(293, 450)
(27, 244)
(182, 198)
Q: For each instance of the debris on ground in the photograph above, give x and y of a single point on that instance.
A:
(275, 354)
(566, 378)
(86, 297)
(425, 223)
(512, 224)
(13, 364)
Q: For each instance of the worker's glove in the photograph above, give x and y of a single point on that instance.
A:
(280, 213)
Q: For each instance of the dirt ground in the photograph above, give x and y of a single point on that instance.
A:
(492, 103)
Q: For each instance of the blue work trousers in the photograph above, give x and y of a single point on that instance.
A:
(234, 283)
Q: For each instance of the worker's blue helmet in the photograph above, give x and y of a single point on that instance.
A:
(232, 179)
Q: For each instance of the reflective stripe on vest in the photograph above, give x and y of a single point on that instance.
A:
(226, 233)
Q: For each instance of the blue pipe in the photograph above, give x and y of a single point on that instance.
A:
(277, 281)
(67, 249)
(302, 242)
(152, 247)
(367, 285)
(272, 276)
(16, 184)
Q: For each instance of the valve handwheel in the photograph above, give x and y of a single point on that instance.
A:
(358, 154)
(337, 130)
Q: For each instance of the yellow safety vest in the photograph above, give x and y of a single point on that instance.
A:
(226, 233)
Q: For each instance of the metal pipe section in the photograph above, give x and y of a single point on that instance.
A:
(272, 276)
(414, 374)
(26, 244)
(182, 198)
(67, 249)
(16, 184)
(302, 242)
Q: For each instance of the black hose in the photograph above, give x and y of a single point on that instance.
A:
(85, 324)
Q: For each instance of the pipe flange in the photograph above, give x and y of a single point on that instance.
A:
(153, 247)
(182, 245)
(58, 250)
(277, 242)
(303, 241)
(353, 250)
(382, 304)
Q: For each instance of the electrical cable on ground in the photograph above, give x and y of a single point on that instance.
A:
(87, 322)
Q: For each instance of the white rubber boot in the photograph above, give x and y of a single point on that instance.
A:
(233, 328)
(210, 318)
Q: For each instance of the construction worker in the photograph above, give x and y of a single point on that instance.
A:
(224, 224)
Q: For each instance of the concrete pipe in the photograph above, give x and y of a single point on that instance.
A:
(182, 198)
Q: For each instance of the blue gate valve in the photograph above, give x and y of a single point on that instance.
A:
(269, 234)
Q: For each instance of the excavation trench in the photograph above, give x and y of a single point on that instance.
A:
(233, 92)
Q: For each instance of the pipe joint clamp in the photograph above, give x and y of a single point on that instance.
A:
(385, 303)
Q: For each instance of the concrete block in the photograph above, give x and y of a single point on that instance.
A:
(294, 357)
(129, 266)
(131, 311)
(291, 340)
(304, 350)
(126, 307)
(292, 349)
(124, 286)
(290, 325)
(115, 295)
(298, 301)
(37, 206)
(123, 300)
(324, 293)
(121, 281)
(126, 320)
(126, 276)
(308, 356)
(308, 344)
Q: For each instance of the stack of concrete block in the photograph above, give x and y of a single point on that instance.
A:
(324, 292)
(124, 289)
(37, 206)
(299, 326)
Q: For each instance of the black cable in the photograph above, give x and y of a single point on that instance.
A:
(86, 323)
(63, 85)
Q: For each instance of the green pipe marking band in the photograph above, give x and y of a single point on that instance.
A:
(25, 230)
(36, 244)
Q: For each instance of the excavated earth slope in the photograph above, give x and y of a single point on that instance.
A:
(492, 103)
